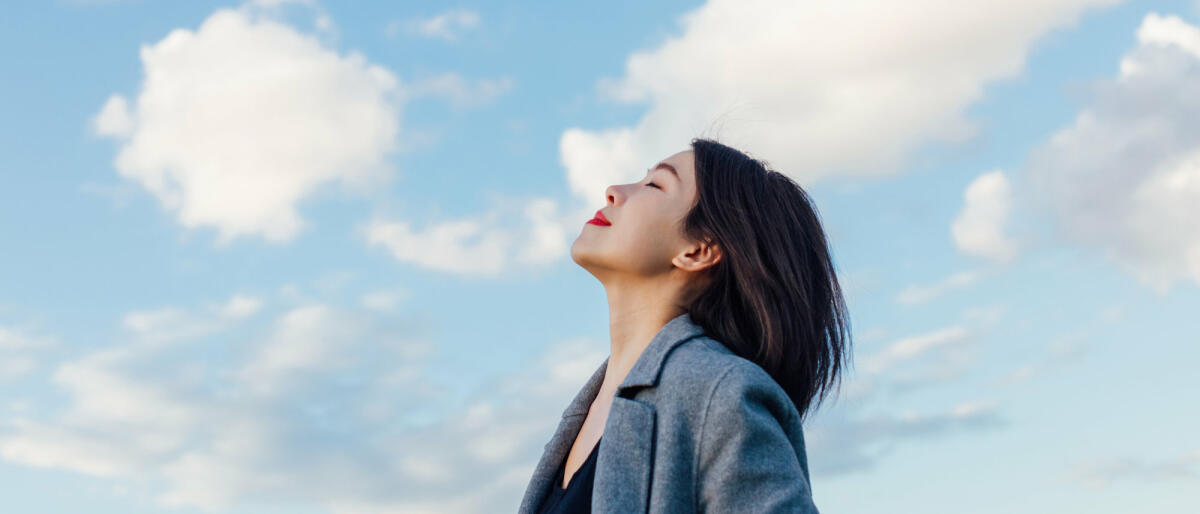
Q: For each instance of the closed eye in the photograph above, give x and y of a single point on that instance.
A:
(651, 184)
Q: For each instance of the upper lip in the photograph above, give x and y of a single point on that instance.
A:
(600, 216)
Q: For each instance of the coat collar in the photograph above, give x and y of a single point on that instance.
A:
(626, 453)
(646, 370)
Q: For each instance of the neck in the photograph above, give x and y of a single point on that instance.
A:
(635, 316)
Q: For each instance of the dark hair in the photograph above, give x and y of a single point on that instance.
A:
(773, 297)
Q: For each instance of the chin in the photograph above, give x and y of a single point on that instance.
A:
(581, 256)
(575, 251)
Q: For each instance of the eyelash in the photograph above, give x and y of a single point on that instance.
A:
(653, 184)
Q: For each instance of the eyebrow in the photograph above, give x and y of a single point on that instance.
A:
(667, 167)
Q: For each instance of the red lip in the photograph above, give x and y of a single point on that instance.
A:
(599, 220)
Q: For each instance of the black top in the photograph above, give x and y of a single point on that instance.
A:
(577, 497)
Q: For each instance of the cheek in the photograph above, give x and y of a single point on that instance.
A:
(650, 238)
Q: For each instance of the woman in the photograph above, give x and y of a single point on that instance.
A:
(726, 322)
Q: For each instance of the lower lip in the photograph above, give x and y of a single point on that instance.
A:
(598, 221)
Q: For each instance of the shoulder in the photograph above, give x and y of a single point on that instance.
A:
(747, 426)
(706, 359)
(716, 379)
(697, 361)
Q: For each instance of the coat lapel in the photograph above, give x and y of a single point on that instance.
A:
(626, 453)
(626, 458)
(544, 475)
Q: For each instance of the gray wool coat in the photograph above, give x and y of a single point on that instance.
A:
(693, 428)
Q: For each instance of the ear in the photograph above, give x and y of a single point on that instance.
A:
(699, 256)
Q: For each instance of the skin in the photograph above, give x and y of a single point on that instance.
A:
(650, 272)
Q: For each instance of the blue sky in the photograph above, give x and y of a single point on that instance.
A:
(311, 256)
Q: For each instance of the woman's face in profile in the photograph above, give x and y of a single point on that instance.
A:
(646, 222)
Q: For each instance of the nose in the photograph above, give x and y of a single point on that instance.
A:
(610, 194)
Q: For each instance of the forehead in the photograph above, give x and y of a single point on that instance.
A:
(681, 158)
(683, 162)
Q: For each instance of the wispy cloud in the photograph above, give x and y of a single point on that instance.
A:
(916, 294)
(170, 323)
(1064, 349)
(849, 440)
(1101, 473)
(313, 402)
(866, 423)
(21, 351)
(514, 236)
(457, 90)
(447, 26)
(911, 347)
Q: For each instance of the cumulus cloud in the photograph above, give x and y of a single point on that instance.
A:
(241, 119)
(447, 26)
(800, 86)
(979, 229)
(114, 119)
(1125, 176)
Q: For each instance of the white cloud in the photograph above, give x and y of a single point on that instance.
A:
(869, 419)
(333, 408)
(806, 90)
(979, 228)
(327, 407)
(114, 119)
(13, 366)
(51, 447)
(241, 119)
(304, 340)
(447, 26)
(1165, 31)
(1065, 349)
(458, 91)
(1125, 177)
(511, 235)
(241, 306)
(171, 323)
(277, 3)
(984, 315)
(14, 339)
(383, 301)
(1101, 473)
(851, 439)
(909, 348)
(20, 351)
(916, 294)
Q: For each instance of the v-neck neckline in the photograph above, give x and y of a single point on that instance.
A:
(563, 469)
